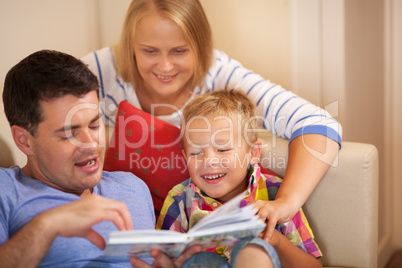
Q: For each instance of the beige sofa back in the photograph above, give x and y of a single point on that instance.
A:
(343, 209)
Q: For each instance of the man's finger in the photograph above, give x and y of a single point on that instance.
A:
(136, 262)
(125, 222)
(162, 259)
(187, 255)
(96, 239)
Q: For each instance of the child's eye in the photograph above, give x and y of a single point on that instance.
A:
(223, 150)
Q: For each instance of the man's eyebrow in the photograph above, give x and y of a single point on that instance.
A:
(69, 128)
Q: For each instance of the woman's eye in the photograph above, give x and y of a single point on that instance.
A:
(180, 51)
(195, 153)
(150, 51)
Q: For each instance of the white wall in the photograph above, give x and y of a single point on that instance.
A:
(256, 33)
(351, 53)
(27, 26)
(393, 123)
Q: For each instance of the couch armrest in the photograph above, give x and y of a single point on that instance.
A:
(343, 209)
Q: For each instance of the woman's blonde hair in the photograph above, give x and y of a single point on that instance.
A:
(187, 14)
(226, 103)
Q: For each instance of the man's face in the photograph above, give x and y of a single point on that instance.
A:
(68, 150)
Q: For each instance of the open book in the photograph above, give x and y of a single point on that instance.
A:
(224, 226)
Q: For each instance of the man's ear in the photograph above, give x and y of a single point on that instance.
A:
(22, 139)
(255, 152)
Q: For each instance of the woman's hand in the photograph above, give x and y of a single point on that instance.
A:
(272, 212)
(164, 261)
(310, 156)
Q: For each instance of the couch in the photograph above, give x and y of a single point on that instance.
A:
(342, 211)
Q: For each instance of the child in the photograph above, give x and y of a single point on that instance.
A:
(222, 151)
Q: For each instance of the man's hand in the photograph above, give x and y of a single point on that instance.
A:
(164, 261)
(29, 245)
(77, 218)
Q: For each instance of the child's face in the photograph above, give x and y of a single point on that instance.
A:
(218, 156)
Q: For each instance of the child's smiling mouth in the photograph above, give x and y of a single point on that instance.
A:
(214, 177)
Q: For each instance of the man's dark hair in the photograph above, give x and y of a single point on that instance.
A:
(43, 76)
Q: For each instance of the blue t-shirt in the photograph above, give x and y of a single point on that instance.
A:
(22, 198)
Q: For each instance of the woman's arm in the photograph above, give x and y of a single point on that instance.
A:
(314, 135)
(310, 156)
(282, 112)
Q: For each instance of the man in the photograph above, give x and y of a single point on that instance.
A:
(60, 207)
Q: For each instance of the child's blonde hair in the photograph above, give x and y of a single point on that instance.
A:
(228, 103)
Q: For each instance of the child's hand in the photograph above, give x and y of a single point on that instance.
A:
(272, 212)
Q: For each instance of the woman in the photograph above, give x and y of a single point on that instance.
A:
(165, 58)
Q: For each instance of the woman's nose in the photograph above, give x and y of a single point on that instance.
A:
(166, 64)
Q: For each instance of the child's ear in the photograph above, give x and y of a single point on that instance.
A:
(22, 139)
(255, 152)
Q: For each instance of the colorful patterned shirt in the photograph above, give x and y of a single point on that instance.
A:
(186, 204)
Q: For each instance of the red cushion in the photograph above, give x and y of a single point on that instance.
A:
(148, 147)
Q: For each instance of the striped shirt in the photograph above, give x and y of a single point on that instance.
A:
(186, 204)
(282, 112)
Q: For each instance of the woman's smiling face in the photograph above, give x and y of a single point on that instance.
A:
(164, 58)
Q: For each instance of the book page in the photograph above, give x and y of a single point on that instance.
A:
(227, 234)
(225, 214)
